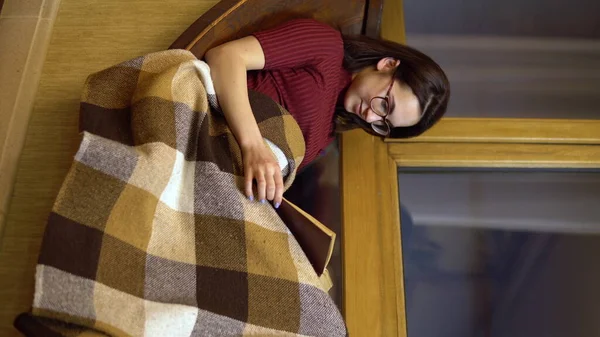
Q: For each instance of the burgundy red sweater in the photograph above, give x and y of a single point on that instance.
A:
(303, 72)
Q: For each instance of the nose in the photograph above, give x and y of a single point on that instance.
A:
(369, 115)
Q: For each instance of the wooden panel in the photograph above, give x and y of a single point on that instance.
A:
(25, 28)
(372, 25)
(231, 19)
(107, 32)
(511, 130)
(495, 155)
(392, 21)
(373, 286)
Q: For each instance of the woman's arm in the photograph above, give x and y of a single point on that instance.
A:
(229, 63)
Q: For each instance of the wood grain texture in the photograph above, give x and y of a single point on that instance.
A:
(16, 119)
(511, 130)
(87, 36)
(372, 255)
(392, 21)
(232, 19)
(495, 155)
(373, 286)
(25, 30)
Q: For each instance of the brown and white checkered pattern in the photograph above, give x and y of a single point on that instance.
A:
(150, 234)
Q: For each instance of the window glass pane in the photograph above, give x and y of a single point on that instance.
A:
(517, 59)
(501, 253)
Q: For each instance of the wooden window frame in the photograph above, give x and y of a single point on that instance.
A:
(373, 290)
(373, 285)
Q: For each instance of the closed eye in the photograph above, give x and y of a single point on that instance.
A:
(384, 105)
(392, 104)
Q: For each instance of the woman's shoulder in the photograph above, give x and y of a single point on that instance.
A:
(300, 43)
(302, 29)
(310, 23)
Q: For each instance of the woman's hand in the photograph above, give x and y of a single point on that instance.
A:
(261, 165)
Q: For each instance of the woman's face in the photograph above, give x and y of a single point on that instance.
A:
(375, 81)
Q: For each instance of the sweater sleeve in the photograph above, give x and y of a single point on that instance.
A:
(299, 43)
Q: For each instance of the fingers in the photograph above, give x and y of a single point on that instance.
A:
(270, 178)
(269, 184)
(261, 185)
(248, 178)
(278, 189)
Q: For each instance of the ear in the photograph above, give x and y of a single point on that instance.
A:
(388, 64)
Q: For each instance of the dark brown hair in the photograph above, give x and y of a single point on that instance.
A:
(417, 70)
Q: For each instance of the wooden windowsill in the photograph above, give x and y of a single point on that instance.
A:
(25, 30)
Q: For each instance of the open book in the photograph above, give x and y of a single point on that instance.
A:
(315, 239)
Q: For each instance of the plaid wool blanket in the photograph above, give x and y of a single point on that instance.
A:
(151, 235)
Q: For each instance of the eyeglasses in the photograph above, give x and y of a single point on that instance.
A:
(381, 107)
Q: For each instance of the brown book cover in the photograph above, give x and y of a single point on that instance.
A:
(315, 239)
